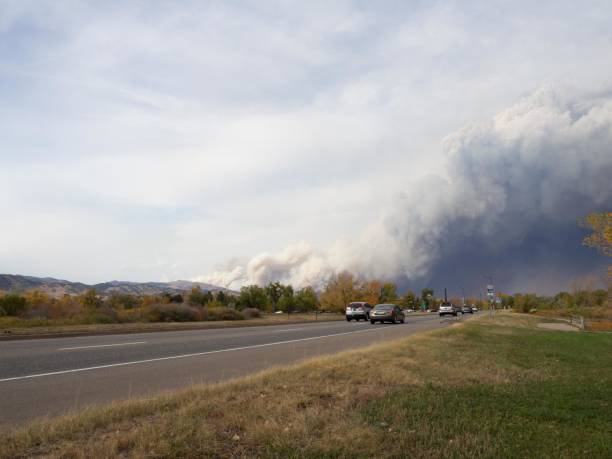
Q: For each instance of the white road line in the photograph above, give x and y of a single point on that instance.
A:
(159, 359)
(100, 345)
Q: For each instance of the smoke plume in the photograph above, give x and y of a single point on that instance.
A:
(505, 205)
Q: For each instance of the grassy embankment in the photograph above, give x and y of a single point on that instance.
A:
(498, 388)
(15, 327)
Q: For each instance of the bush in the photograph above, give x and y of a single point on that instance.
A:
(104, 315)
(122, 301)
(12, 304)
(174, 312)
(223, 313)
(131, 315)
(251, 313)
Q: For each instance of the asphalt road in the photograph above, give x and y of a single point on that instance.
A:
(48, 377)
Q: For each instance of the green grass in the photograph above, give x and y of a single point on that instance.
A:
(486, 388)
(568, 414)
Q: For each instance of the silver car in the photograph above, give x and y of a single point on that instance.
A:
(386, 313)
(447, 308)
(358, 310)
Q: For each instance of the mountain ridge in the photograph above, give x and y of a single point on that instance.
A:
(58, 287)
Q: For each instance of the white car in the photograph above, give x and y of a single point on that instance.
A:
(447, 308)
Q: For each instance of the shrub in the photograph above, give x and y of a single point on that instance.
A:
(174, 312)
(200, 297)
(130, 315)
(223, 313)
(12, 304)
(36, 313)
(251, 313)
(122, 301)
(104, 315)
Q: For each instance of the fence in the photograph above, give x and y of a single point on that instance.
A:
(577, 321)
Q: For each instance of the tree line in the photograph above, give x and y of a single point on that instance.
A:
(92, 307)
(341, 289)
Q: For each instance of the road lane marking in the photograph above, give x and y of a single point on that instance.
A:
(183, 356)
(100, 345)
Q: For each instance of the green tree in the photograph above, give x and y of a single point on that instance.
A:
(286, 302)
(388, 293)
(199, 296)
(409, 300)
(176, 298)
(306, 299)
(274, 290)
(12, 304)
(427, 296)
(90, 299)
(525, 302)
(123, 301)
(507, 301)
(253, 296)
(222, 297)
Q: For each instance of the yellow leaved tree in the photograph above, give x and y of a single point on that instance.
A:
(601, 236)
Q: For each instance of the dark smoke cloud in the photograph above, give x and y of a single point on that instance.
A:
(514, 189)
(506, 205)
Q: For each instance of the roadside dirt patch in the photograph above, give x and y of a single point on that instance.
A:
(558, 327)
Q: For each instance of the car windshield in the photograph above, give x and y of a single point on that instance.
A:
(355, 305)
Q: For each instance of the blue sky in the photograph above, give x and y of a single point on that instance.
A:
(165, 140)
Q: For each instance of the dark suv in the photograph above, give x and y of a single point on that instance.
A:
(358, 310)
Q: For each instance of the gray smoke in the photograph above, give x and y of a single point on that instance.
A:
(506, 205)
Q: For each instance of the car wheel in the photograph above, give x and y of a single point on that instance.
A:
(455, 314)
(402, 321)
(348, 319)
(372, 321)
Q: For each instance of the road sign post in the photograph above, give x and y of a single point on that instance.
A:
(491, 298)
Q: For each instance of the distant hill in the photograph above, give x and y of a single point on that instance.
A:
(59, 287)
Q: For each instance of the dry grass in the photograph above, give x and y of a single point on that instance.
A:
(599, 325)
(15, 329)
(328, 407)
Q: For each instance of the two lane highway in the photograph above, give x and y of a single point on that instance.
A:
(47, 377)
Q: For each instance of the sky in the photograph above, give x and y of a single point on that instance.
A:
(429, 143)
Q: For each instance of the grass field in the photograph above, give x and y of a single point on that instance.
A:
(485, 388)
(11, 327)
